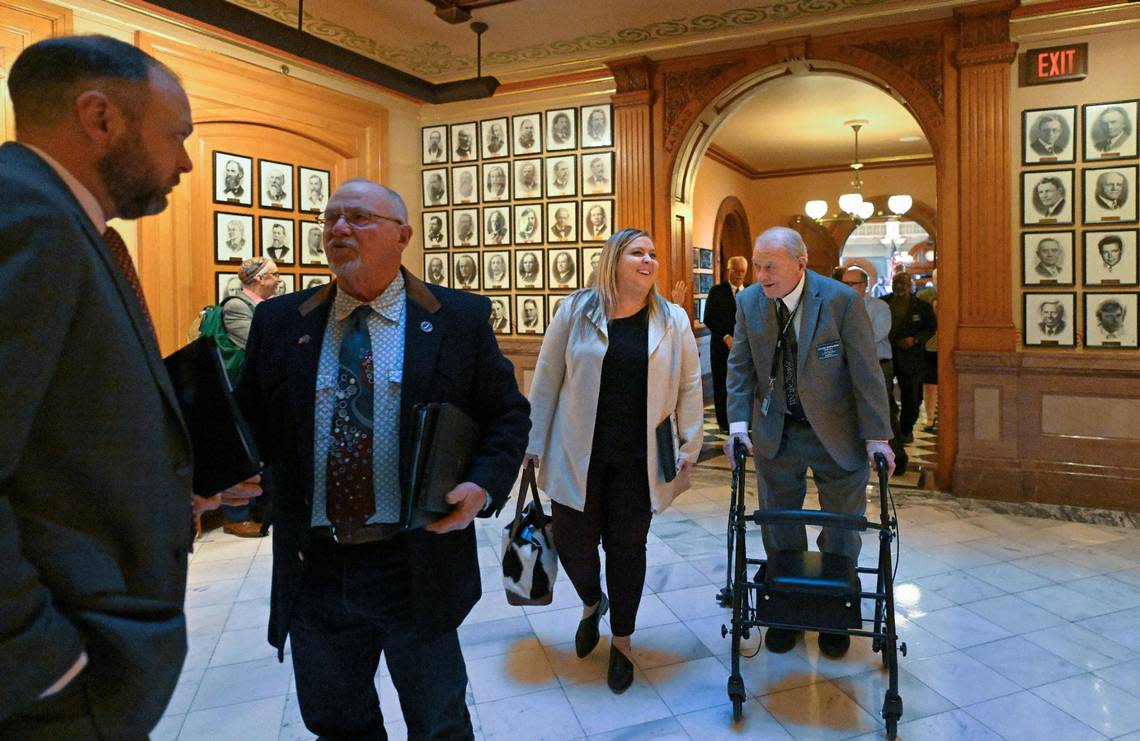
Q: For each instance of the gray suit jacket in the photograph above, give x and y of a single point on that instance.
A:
(95, 467)
(839, 380)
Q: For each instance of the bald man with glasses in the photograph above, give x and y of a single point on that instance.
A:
(332, 377)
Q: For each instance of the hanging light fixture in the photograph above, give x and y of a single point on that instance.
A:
(852, 203)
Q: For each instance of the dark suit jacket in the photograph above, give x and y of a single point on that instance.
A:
(919, 322)
(450, 354)
(720, 317)
(95, 467)
(837, 371)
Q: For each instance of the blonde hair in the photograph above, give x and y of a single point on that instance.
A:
(605, 277)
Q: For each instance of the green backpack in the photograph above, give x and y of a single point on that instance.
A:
(213, 324)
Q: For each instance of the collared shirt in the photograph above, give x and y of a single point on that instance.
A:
(880, 315)
(90, 206)
(386, 330)
(253, 297)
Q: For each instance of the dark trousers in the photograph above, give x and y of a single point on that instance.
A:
(65, 715)
(910, 397)
(782, 485)
(353, 605)
(897, 445)
(618, 513)
(718, 361)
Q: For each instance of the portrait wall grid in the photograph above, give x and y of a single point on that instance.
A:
(1079, 250)
(522, 215)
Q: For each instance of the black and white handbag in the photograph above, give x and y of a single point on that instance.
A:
(530, 563)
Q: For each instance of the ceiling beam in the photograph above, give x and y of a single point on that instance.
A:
(731, 161)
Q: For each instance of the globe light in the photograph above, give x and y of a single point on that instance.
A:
(816, 209)
(850, 202)
(900, 204)
(866, 210)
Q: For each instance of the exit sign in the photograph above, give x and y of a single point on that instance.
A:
(1055, 64)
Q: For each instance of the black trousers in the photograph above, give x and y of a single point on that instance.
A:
(67, 714)
(897, 446)
(618, 513)
(353, 606)
(910, 393)
(718, 362)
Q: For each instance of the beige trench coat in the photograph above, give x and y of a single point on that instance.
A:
(564, 397)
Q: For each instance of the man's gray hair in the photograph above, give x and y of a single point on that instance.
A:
(396, 199)
(740, 260)
(784, 237)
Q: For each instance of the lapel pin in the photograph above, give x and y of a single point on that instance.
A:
(304, 339)
(426, 326)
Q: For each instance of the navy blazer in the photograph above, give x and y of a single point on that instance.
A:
(450, 354)
(95, 466)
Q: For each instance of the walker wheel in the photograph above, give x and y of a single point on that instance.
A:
(738, 709)
(892, 728)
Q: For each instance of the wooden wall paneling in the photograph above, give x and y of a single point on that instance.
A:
(243, 109)
(23, 23)
(633, 145)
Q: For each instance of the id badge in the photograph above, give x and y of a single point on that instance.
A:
(766, 402)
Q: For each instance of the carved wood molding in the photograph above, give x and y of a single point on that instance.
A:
(983, 34)
(632, 74)
(685, 93)
(918, 56)
(994, 54)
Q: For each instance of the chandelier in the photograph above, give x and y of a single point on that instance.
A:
(852, 204)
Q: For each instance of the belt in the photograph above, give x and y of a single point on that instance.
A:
(366, 534)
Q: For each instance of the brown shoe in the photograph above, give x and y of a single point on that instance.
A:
(244, 529)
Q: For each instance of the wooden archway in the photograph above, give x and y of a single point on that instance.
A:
(731, 235)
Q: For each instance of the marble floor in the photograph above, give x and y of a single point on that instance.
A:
(1018, 627)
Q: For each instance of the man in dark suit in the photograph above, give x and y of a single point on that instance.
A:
(720, 318)
(95, 462)
(912, 323)
(804, 372)
(348, 582)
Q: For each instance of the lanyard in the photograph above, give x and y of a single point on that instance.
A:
(767, 401)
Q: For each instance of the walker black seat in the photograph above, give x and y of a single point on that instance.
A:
(810, 571)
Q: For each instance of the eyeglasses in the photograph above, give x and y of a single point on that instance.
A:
(854, 282)
(355, 219)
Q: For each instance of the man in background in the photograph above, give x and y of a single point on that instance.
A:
(720, 318)
(912, 323)
(1050, 259)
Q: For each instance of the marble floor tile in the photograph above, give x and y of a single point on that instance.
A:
(208, 571)
(693, 602)
(1024, 716)
(252, 613)
(650, 613)
(246, 644)
(542, 716)
(956, 725)
(959, 587)
(960, 679)
(955, 555)
(221, 592)
(571, 670)
(494, 606)
(229, 684)
(665, 645)
(1052, 567)
(920, 642)
(208, 618)
(519, 672)
(1008, 577)
(665, 729)
(690, 685)
(912, 601)
(1109, 592)
(819, 711)
(1121, 627)
(1014, 614)
(1080, 646)
(869, 689)
(168, 728)
(960, 627)
(559, 626)
(673, 576)
(1024, 662)
(496, 637)
(1103, 706)
(184, 692)
(1096, 559)
(1066, 602)
(259, 720)
(1126, 676)
(715, 723)
(599, 710)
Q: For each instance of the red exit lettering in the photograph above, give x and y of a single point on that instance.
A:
(1056, 63)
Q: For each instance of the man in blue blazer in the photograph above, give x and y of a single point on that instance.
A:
(95, 462)
(804, 374)
(348, 582)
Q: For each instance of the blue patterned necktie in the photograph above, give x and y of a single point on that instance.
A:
(351, 498)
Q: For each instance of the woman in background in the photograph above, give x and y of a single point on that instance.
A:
(617, 361)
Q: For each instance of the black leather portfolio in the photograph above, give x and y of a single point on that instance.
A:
(444, 443)
(665, 452)
(224, 451)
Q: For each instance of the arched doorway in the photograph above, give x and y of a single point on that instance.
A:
(731, 235)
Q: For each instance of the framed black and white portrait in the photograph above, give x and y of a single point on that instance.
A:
(233, 236)
(526, 135)
(436, 230)
(465, 271)
(1047, 136)
(1049, 319)
(434, 145)
(233, 179)
(496, 182)
(496, 226)
(563, 267)
(493, 136)
(552, 303)
(528, 224)
(276, 185)
(704, 282)
(527, 179)
(227, 284)
(277, 239)
(314, 280)
(435, 187)
(500, 314)
(1047, 197)
(706, 258)
(465, 227)
(590, 258)
(561, 176)
(530, 314)
(1110, 194)
(1110, 130)
(1110, 320)
(464, 142)
(285, 284)
(312, 244)
(436, 269)
(598, 173)
(1111, 258)
(496, 270)
(597, 220)
(597, 126)
(562, 222)
(313, 189)
(1047, 259)
(528, 269)
(464, 185)
(561, 131)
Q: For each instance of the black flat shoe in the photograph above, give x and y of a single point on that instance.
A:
(780, 640)
(587, 636)
(620, 675)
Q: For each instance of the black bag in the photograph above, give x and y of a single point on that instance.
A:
(530, 563)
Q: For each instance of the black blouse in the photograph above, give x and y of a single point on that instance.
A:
(623, 395)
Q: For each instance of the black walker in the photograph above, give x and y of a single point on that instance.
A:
(814, 591)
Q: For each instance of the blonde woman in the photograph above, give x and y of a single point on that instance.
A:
(616, 362)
